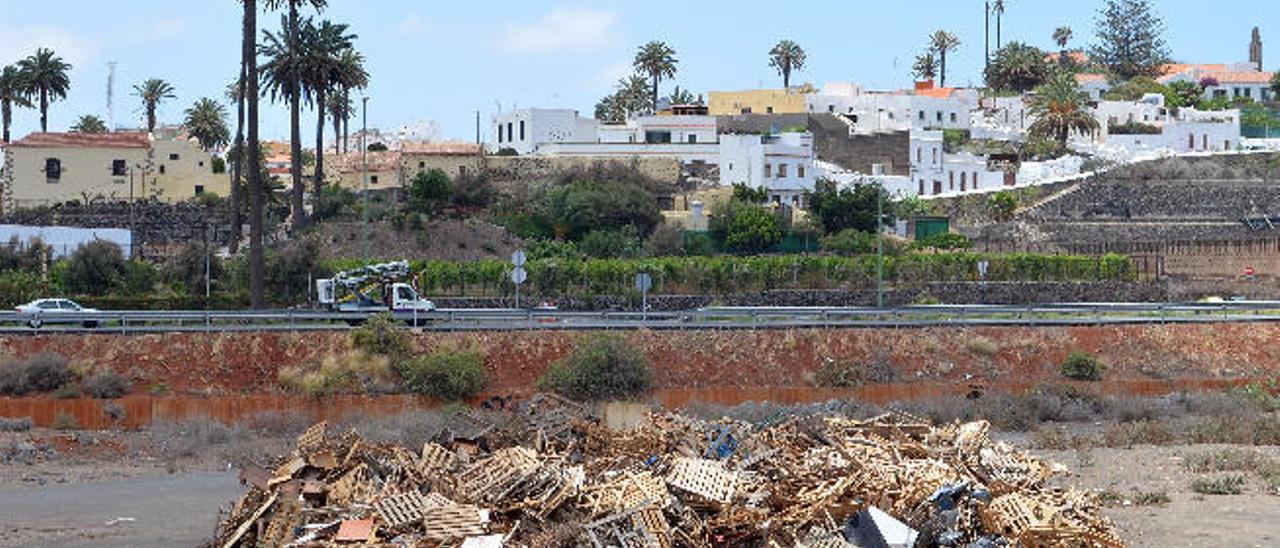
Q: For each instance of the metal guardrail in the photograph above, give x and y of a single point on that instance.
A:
(1059, 314)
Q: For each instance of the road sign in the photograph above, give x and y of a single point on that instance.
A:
(644, 282)
(518, 258)
(519, 275)
(982, 269)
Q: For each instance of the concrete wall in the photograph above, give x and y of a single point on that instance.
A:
(540, 126)
(758, 101)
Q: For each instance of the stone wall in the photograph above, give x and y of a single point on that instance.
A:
(158, 228)
(858, 152)
(523, 169)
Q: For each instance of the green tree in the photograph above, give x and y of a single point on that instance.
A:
(44, 75)
(942, 43)
(1002, 206)
(1136, 88)
(745, 228)
(1060, 110)
(285, 73)
(855, 207)
(998, 8)
(333, 68)
(1130, 41)
(600, 367)
(682, 97)
(657, 61)
(206, 120)
(926, 66)
(1182, 94)
(1062, 36)
(786, 57)
(153, 92)
(428, 191)
(580, 207)
(94, 268)
(12, 94)
(1275, 86)
(750, 195)
(89, 124)
(1017, 67)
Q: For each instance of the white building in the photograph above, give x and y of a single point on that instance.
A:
(564, 133)
(1230, 80)
(525, 130)
(783, 164)
(1095, 85)
(1146, 126)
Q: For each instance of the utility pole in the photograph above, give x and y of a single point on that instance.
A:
(877, 171)
(111, 88)
(477, 127)
(364, 160)
(986, 37)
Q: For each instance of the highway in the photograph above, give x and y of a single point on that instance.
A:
(1065, 314)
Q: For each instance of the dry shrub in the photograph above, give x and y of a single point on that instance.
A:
(44, 372)
(105, 384)
(841, 374)
(1230, 484)
(16, 424)
(1137, 433)
(982, 346)
(65, 421)
(352, 372)
(1224, 460)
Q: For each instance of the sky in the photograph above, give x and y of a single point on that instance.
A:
(444, 61)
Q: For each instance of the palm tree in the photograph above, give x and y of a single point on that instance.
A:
(12, 93)
(331, 65)
(89, 124)
(998, 8)
(926, 66)
(341, 109)
(289, 44)
(45, 75)
(941, 43)
(682, 97)
(657, 60)
(1062, 35)
(206, 120)
(235, 92)
(153, 92)
(1060, 110)
(786, 57)
(252, 161)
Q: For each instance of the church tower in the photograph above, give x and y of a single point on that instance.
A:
(1255, 50)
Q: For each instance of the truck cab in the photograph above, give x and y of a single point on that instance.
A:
(406, 299)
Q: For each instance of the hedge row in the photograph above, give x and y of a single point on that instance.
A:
(728, 274)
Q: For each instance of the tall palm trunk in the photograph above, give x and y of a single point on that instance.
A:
(6, 111)
(999, 16)
(151, 119)
(786, 77)
(942, 67)
(44, 110)
(257, 270)
(346, 124)
(320, 116)
(654, 104)
(295, 129)
(337, 133)
(237, 169)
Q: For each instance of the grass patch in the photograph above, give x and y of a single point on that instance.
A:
(64, 421)
(982, 346)
(1230, 484)
(353, 372)
(1129, 434)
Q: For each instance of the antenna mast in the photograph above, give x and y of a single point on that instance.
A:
(111, 85)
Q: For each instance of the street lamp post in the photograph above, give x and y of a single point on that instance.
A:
(877, 171)
(364, 160)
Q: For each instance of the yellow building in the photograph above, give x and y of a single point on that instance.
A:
(455, 159)
(757, 101)
(383, 169)
(52, 168)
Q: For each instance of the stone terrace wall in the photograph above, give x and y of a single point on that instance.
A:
(158, 228)
(523, 169)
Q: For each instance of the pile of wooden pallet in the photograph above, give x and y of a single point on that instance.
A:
(560, 478)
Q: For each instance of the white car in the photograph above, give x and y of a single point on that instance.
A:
(43, 311)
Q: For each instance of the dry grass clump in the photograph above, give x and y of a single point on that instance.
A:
(1230, 484)
(1224, 460)
(351, 372)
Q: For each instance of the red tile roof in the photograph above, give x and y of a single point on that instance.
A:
(453, 148)
(1251, 77)
(1079, 57)
(1170, 69)
(84, 140)
(1085, 78)
(936, 93)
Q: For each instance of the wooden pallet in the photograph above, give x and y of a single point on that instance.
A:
(447, 523)
(313, 438)
(354, 486)
(705, 478)
(401, 510)
(435, 458)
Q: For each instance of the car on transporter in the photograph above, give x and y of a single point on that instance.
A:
(39, 312)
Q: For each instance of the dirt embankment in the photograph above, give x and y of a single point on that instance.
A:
(248, 363)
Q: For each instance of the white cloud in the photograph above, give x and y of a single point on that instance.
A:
(414, 25)
(608, 77)
(21, 42)
(562, 30)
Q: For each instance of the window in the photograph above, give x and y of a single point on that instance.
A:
(746, 110)
(199, 190)
(921, 191)
(831, 109)
(937, 187)
(200, 163)
(693, 138)
(768, 170)
(953, 117)
(119, 168)
(173, 157)
(782, 171)
(1191, 142)
(462, 171)
(162, 169)
(53, 169)
(919, 155)
(768, 110)
(510, 133)
(922, 115)
(499, 133)
(800, 171)
(521, 130)
(975, 180)
(373, 179)
(939, 115)
(1204, 141)
(951, 181)
(935, 154)
(422, 165)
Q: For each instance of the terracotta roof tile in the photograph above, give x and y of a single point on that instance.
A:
(453, 148)
(1250, 77)
(1086, 78)
(936, 93)
(84, 140)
